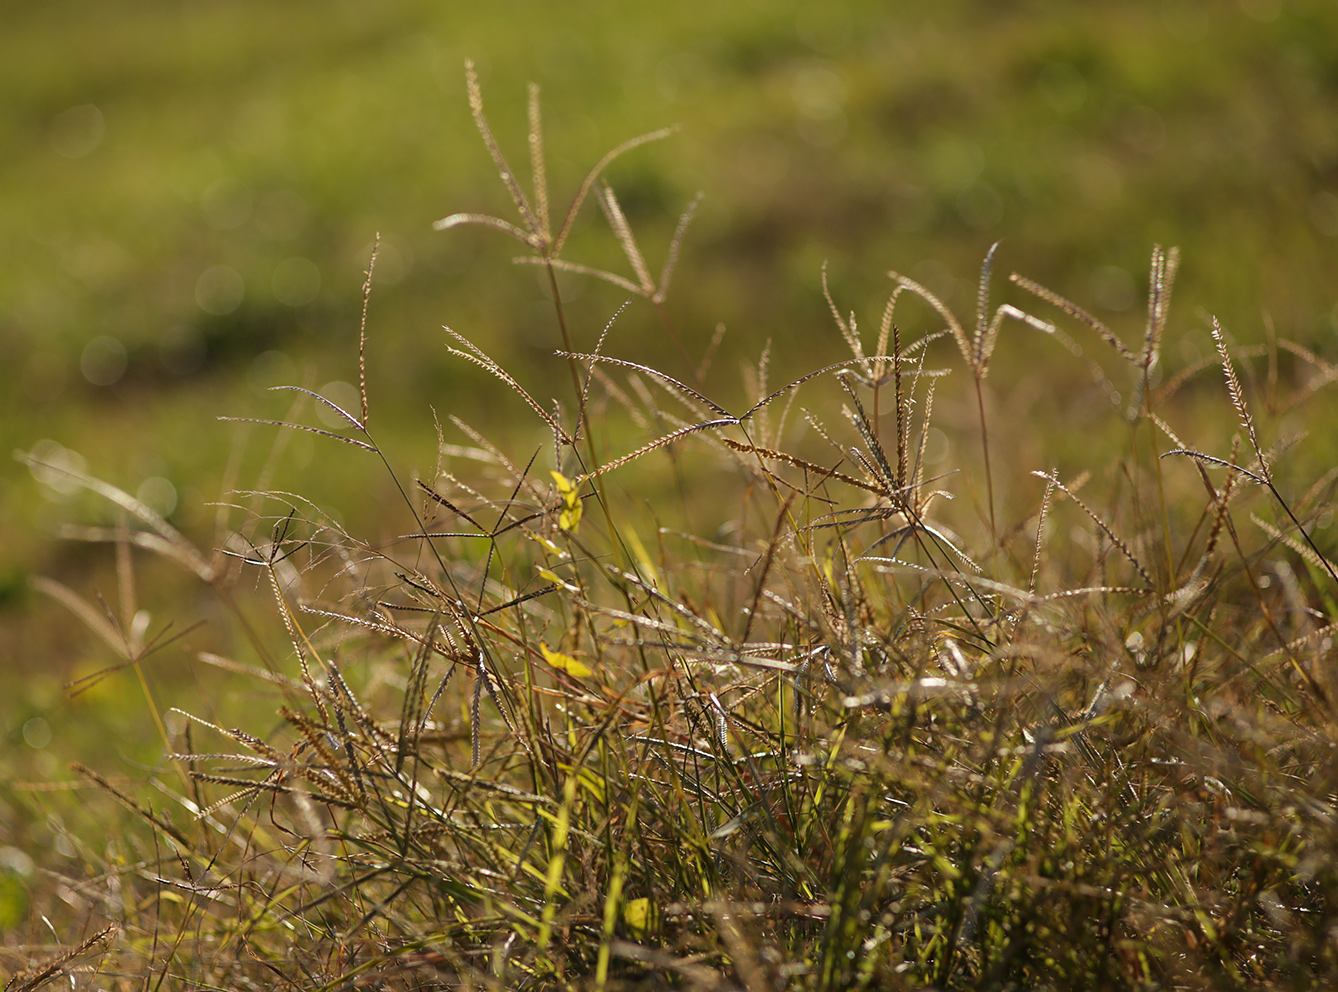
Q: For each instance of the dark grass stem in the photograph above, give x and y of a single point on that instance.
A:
(985, 451)
(594, 470)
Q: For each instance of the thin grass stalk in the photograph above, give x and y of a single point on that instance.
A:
(979, 368)
(985, 449)
(1238, 401)
(585, 429)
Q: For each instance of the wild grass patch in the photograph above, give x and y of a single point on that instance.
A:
(826, 689)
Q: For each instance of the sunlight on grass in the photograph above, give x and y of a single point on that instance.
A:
(976, 633)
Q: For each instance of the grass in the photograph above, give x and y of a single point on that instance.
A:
(862, 680)
(912, 137)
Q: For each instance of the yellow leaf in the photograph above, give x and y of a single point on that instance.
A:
(639, 549)
(565, 662)
(548, 545)
(636, 914)
(570, 517)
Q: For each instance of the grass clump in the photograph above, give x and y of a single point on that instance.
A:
(806, 691)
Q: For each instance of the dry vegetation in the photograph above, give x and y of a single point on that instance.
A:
(777, 697)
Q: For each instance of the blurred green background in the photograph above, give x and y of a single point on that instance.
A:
(189, 192)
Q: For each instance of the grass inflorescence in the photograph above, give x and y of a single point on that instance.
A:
(764, 695)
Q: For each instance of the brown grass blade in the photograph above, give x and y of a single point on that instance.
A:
(955, 327)
(671, 259)
(1077, 313)
(659, 442)
(483, 360)
(682, 387)
(536, 230)
(485, 220)
(301, 427)
(147, 815)
(622, 231)
(594, 174)
(622, 282)
(1238, 398)
(537, 168)
(1105, 528)
(39, 975)
(183, 550)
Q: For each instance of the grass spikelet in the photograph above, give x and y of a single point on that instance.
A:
(1238, 399)
(1077, 313)
(1162, 278)
(1105, 528)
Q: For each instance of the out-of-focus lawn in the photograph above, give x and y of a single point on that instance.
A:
(189, 192)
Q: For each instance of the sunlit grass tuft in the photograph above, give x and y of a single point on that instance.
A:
(824, 690)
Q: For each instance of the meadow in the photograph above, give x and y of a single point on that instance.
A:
(877, 535)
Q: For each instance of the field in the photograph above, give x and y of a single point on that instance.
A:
(873, 532)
